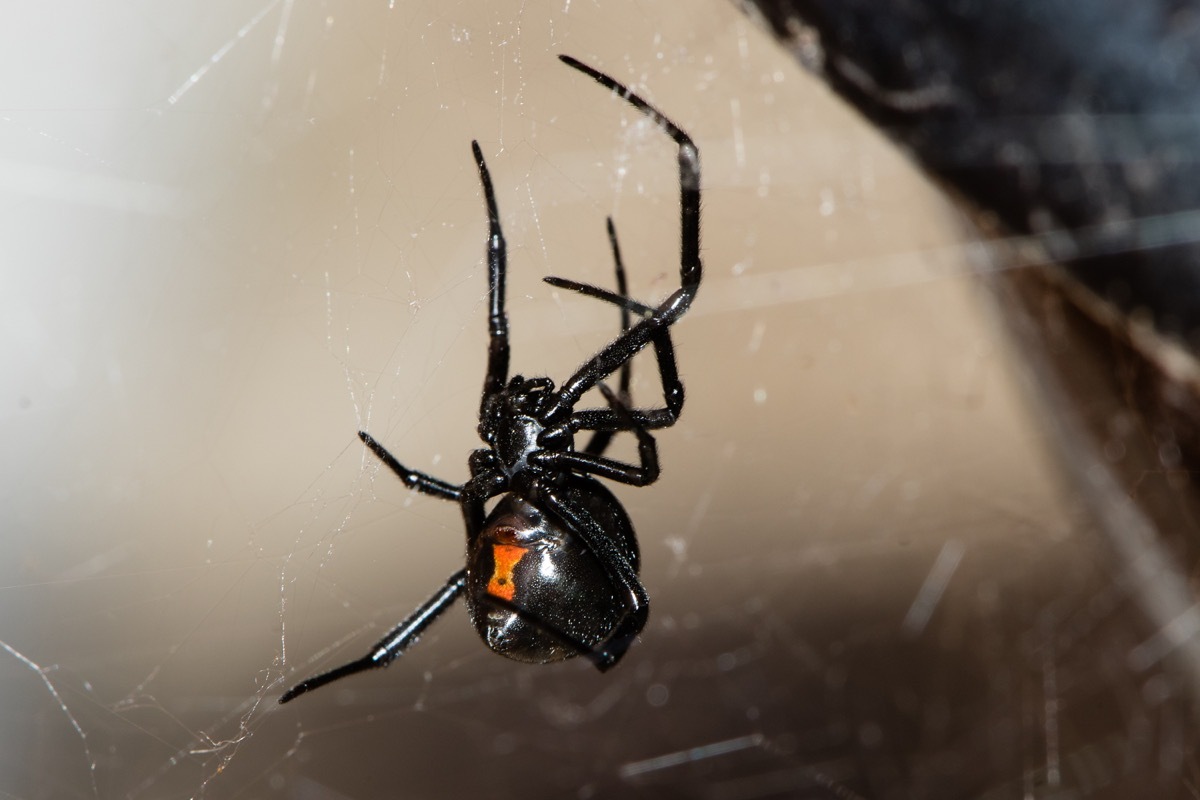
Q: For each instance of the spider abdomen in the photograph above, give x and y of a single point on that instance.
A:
(535, 592)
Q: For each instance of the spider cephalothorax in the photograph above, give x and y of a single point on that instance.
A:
(511, 425)
(552, 570)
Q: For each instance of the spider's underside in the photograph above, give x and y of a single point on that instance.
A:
(552, 570)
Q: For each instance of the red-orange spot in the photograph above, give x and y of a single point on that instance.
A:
(505, 557)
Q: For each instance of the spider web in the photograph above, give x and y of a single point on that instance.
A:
(238, 233)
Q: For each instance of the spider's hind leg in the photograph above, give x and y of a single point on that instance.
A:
(620, 350)
(606, 654)
(426, 484)
(392, 646)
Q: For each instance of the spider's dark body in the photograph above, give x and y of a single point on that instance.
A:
(552, 570)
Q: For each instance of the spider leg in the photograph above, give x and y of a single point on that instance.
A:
(642, 475)
(664, 350)
(426, 484)
(607, 295)
(610, 651)
(487, 480)
(497, 260)
(624, 347)
(601, 439)
(392, 646)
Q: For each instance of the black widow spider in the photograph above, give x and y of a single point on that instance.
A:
(552, 571)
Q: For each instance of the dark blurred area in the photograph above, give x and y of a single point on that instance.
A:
(1069, 132)
(1074, 122)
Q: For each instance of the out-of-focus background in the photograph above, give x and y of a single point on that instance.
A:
(232, 235)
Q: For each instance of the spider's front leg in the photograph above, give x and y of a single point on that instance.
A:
(619, 351)
(497, 263)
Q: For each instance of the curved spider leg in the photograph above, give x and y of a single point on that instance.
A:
(426, 484)
(497, 260)
(664, 350)
(392, 646)
(668, 311)
(610, 651)
(600, 440)
(642, 475)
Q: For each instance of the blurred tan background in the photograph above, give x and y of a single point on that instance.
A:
(233, 235)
